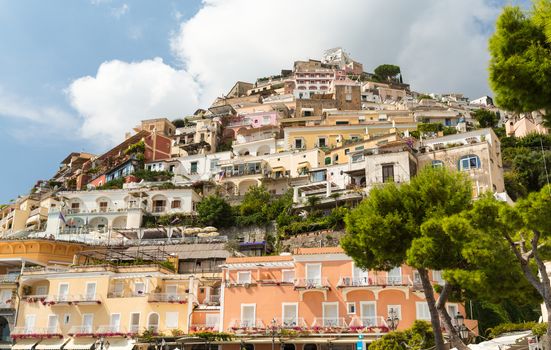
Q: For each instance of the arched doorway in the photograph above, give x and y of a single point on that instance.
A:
(4, 330)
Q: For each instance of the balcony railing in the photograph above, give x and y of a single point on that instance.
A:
(167, 298)
(159, 209)
(111, 331)
(294, 323)
(275, 282)
(7, 304)
(233, 283)
(312, 283)
(82, 331)
(203, 328)
(247, 325)
(212, 300)
(324, 323)
(126, 294)
(372, 323)
(74, 299)
(11, 278)
(35, 332)
(374, 281)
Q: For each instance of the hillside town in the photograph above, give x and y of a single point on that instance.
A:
(127, 249)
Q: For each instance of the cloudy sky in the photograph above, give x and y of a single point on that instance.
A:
(76, 74)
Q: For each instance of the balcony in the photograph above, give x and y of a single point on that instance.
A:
(77, 299)
(82, 331)
(111, 331)
(11, 278)
(291, 323)
(374, 281)
(246, 283)
(329, 324)
(7, 304)
(375, 324)
(203, 328)
(274, 282)
(312, 283)
(35, 332)
(167, 298)
(212, 300)
(247, 326)
(34, 298)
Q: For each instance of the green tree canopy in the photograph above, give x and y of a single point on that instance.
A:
(215, 211)
(419, 336)
(486, 118)
(520, 64)
(387, 72)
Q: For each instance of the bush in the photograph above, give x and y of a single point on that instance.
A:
(112, 185)
(539, 329)
(510, 327)
(215, 211)
(148, 175)
(419, 336)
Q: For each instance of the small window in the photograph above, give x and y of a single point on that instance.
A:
(193, 169)
(322, 142)
(422, 311)
(176, 204)
(341, 122)
(351, 308)
(437, 164)
(397, 309)
(288, 276)
(66, 319)
(244, 277)
(469, 162)
(327, 161)
(298, 143)
(452, 310)
(388, 173)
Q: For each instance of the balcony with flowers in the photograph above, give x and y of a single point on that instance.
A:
(246, 326)
(36, 333)
(75, 299)
(82, 331)
(112, 331)
(329, 325)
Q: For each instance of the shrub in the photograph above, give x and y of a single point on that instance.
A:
(511, 327)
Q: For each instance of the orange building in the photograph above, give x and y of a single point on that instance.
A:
(318, 299)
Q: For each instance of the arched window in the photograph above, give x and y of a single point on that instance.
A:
(289, 347)
(153, 322)
(437, 164)
(469, 162)
(247, 346)
(310, 347)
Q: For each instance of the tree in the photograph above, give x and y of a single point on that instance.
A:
(181, 123)
(526, 229)
(419, 336)
(520, 64)
(215, 211)
(390, 227)
(387, 72)
(486, 118)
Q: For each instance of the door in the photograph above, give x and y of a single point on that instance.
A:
(313, 275)
(115, 323)
(248, 315)
(361, 276)
(395, 276)
(171, 292)
(213, 320)
(290, 315)
(368, 314)
(63, 292)
(134, 322)
(52, 324)
(29, 323)
(87, 323)
(331, 314)
(90, 291)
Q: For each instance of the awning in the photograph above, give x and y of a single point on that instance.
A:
(51, 344)
(5, 346)
(24, 344)
(304, 164)
(120, 343)
(278, 168)
(80, 344)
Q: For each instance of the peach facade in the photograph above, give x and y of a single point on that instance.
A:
(320, 292)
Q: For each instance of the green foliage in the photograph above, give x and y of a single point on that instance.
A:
(181, 123)
(510, 327)
(424, 97)
(176, 219)
(386, 72)
(449, 130)
(486, 118)
(153, 176)
(213, 336)
(112, 185)
(138, 147)
(419, 336)
(167, 265)
(539, 329)
(430, 127)
(520, 65)
(215, 211)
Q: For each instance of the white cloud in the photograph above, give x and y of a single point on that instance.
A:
(31, 120)
(120, 11)
(121, 94)
(440, 45)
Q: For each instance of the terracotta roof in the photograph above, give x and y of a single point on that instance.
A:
(259, 259)
(322, 250)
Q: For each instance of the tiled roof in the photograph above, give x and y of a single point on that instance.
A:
(322, 250)
(259, 259)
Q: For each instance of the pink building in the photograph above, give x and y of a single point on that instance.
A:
(318, 299)
(253, 120)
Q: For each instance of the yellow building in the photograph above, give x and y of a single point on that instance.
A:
(27, 213)
(342, 154)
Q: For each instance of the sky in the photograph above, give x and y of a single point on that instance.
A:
(75, 75)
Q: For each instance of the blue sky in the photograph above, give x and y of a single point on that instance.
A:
(76, 74)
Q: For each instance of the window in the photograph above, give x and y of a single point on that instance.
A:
(299, 143)
(313, 274)
(453, 310)
(63, 292)
(330, 314)
(66, 318)
(139, 288)
(348, 97)
(153, 322)
(322, 142)
(437, 277)
(90, 291)
(288, 276)
(243, 277)
(388, 173)
(290, 314)
(135, 322)
(395, 276)
(422, 311)
(176, 204)
(193, 168)
(5, 296)
(361, 276)
(171, 320)
(29, 323)
(469, 162)
(368, 313)
(397, 310)
(416, 277)
(351, 308)
(341, 122)
(213, 164)
(52, 323)
(87, 323)
(437, 164)
(248, 315)
(115, 322)
(103, 207)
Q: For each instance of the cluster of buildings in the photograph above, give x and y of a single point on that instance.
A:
(85, 261)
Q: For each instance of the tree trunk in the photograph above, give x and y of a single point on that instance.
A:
(431, 302)
(455, 339)
(546, 340)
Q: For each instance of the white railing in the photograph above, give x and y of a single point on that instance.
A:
(167, 298)
(111, 330)
(212, 300)
(375, 281)
(35, 331)
(295, 323)
(329, 322)
(134, 329)
(10, 278)
(312, 283)
(203, 328)
(81, 331)
(246, 325)
(73, 298)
